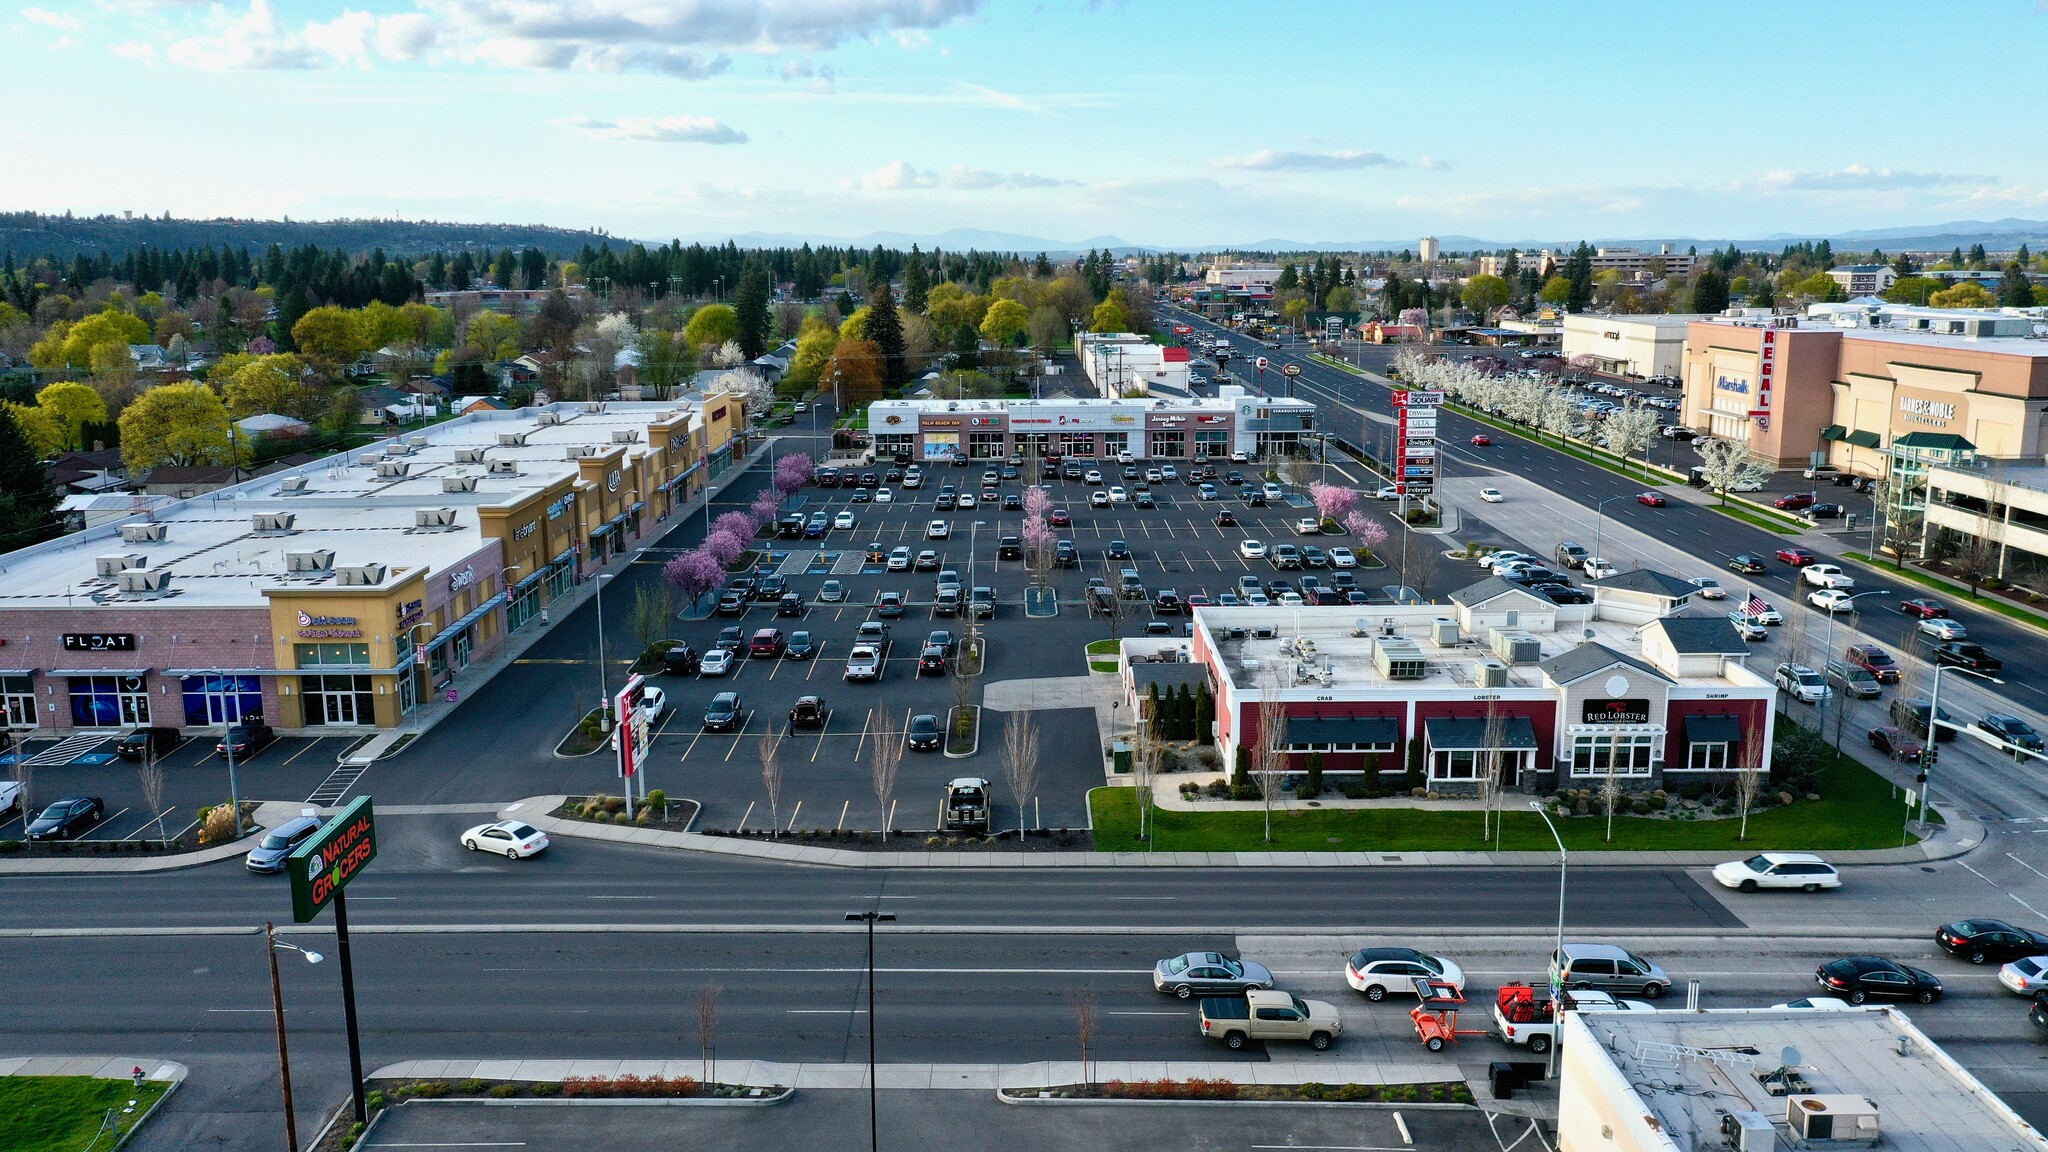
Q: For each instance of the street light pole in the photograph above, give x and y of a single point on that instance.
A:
(870, 918)
(1934, 735)
(1600, 522)
(284, 1063)
(1557, 957)
(1827, 649)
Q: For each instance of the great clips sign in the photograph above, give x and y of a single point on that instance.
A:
(324, 865)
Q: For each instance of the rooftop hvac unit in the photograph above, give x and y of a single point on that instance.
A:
(395, 448)
(548, 419)
(360, 575)
(1443, 632)
(433, 517)
(369, 457)
(393, 470)
(458, 483)
(1397, 658)
(504, 468)
(625, 435)
(145, 580)
(511, 439)
(469, 455)
(1749, 1131)
(271, 522)
(112, 566)
(1514, 646)
(290, 485)
(1832, 1118)
(576, 451)
(416, 441)
(1489, 674)
(593, 406)
(143, 533)
(318, 560)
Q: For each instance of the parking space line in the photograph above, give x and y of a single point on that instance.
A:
(745, 721)
(308, 748)
(137, 834)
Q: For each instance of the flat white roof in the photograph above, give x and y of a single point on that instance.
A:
(2028, 346)
(217, 559)
(1926, 1101)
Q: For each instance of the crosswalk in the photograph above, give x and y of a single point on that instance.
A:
(337, 785)
(66, 750)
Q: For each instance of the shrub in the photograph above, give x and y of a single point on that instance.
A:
(502, 1091)
(545, 1089)
(614, 803)
(657, 798)
(1310, 1091)
(374, 1101)
(1219, 788)
(219, 825)
(1640, 806)
(472, 1086)
(629, 1086)
(1657, 801)
(1356, 1092)
(1189, 789)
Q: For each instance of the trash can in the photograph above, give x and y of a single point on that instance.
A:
(1120, 752)
(1502, 1078)
(1849, 521)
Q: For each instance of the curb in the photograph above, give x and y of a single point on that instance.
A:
(952, 755)
(55, 866)
(1004, 1095)
(770, 1101)
(557, 752)
(177, 1082)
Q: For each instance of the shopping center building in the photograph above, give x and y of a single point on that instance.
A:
(340, 593)
(1157, 428)
(1635, 684)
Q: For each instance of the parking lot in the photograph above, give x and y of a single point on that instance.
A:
(1175, 544)
(195, 775)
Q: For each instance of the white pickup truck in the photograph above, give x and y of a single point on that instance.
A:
(864, 662)
(1522, 1016)
(1827, 576)
(1266, 1014)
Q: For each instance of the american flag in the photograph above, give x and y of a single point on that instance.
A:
(1756, 605)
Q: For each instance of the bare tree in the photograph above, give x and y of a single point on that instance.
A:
(1269, 752)
(707, 1029)
(1975, 560)
(1610, 784)
(882, 764)
(1297, 469)
(1749, 770)
(1020, 760)
(1145, 746)
(1495, 731)
(1085, 1024)
(770, 750)
(151, 774)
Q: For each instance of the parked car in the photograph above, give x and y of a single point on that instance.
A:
(717, 662)
(1010, 548)
(765, 643)
(1983, 941)
(1342, 558)
(889, 605)
(899, 560)
(799, 647)
(1571, 554)
(1793, 501)
(724, 713)
(68, 818)
(1607, 967)
(1286, 557)
(1801, 870)
(277, 845)
(680, 660)
(2009, 730)
(923, 733)
(808, 712)
(511, 839)
(246, 739)
(1599, 568)
(1748, 627)
(1251, 549)
(1379, 971)
(1858, 978)
(139, 743)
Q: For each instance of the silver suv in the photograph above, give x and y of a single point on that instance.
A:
(1608, 967)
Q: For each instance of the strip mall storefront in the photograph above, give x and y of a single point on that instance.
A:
(1211, 428)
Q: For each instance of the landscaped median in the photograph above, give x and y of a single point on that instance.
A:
(1993, 603)
(1217, 1088)
(1857, 810)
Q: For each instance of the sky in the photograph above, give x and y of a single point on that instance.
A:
(1182, 124)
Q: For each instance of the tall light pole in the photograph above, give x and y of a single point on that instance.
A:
(871, 918)
(1927, 756)
(1827, 651)
(1557, 956)
(284, 1063)
(1600, 522)
(227, 725)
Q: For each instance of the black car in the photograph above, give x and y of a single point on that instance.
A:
(1912, 716)
(1824, 512)
(771, 588)
(1858, 978)
(1010, 548)
(1981, 941)
(730, 639)
(724, 714)
(1226, 519)
(808, 712)
(680, 660)
(791, 604)
(1064, 555)
(931, 660)
(138, 743)
(2038, 1014)
(943, 637)
(1748, 563)
(2010, 730)
(1012, 501)
(67, 818)
(246, 739)
(923, 735)
(800, 647)
(1117, 550)
(1563, 594)
(1964, 654)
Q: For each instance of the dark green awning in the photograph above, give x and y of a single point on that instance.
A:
(1936, 441)
(1831, 432)
(1862, 439)
(1712, 730)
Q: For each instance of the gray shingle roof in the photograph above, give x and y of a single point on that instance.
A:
(1647, 580)
(1586, 659)
(1491, 588)
(1699, 635)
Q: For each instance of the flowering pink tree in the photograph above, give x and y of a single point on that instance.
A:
(726, 547)
(738, 525)
(1333, 502)
(1037, 502)
(694, 573)
(1038, 547)
(764, 507)
(793, 472)
(1369, 533)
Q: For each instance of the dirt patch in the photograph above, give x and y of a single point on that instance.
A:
(659, 812)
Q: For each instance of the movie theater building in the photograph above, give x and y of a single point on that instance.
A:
(1442, 689)
(1160, 428)
(341, 593)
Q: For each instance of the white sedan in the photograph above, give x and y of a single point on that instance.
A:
(716, 662)
(1117, 495)
(1342, 558)
(1252, 549)
(508, 838)
(1709, 588)
(1387, 492)
(653, 701)
(884, 496)
(1943, 628)
(937, 530)
(1491, 495)
(1099, 499)
(1599, 569)
(1832, 600)
(2026, 976)
(1800, 870)
(843, 521)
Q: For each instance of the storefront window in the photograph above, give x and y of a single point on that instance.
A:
(332, 655)
(1169, 444)
(337, 700)
(107, 701)
(985, 445)
(524, 607)
(1212, 442)
(1077, 443)
(1629, 753)
(561, 578)
(1460, 764)
(1707, 757)
(221, 699)
(1034, 443)
(890, 445)
(18, 697)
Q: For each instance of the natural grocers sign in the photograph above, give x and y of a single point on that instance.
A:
(323, 865)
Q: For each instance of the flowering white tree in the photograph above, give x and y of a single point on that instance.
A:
(1726, 465)
(728, 355)
(1631, 431)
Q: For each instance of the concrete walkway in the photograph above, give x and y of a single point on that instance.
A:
(97, 1067)
(971, 1077)
(1099, 691)
(1953, 839)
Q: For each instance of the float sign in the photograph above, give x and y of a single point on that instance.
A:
(324, 865)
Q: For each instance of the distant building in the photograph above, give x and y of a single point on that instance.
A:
(1126, 364)
(1642, 267)
(1864, 279)
(1429, 250)
(272, 424)
(1642, 346)
(1259, 279)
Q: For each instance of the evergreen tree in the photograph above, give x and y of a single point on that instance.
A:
(1764, 296)
(885, 328)
(2022, 256)
(1709, 292)
(28, 501)
(1905, 265)
(1824, 255)
(1955, 257)
(916, 284)
(1290, 278)
(1205, 714)
(1042, 267)
(1184, 712)
(1977, 257)
(1579, 272)
(2014, 289)
(1314, 784)
(1155, 712)
(750, 302)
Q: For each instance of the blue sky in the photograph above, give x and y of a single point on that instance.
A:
(1174, 124)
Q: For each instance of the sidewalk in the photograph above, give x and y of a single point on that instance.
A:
(269, 814)
(437, 707)
(97, 1067)
(969, 1077)
(1945, 841)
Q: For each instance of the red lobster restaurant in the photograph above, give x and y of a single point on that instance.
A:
(1640, 680)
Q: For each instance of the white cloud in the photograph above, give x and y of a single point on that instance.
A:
(1862, 178)
(893, 177)
(664, 130)
(253, 40)
(258, 40)
(1432, 164)
(404, 37)
(969, 179)
(136, 50)
(62, 22)
(1269, 160)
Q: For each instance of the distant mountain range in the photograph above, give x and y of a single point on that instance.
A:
(28, 234)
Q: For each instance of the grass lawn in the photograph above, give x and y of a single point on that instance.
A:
(1859, 812)
(1097, 649)
(1756, 518)
(61, 1113)
(1994, 602)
